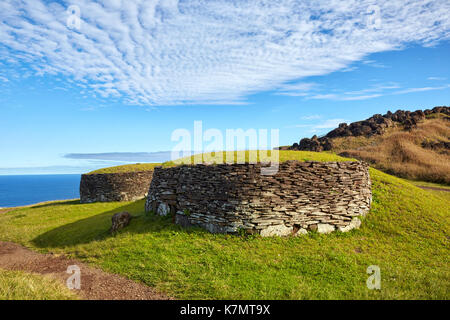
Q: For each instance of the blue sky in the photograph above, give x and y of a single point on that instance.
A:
(135, 71)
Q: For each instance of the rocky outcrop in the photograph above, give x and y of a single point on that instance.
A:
(230, 198)
(107, 187)
(375, 125)
(436, 145)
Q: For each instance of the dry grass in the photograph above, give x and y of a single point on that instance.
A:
(18, 285)
(400, 152)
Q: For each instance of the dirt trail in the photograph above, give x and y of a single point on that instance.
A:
(95, 284)
(434, 188)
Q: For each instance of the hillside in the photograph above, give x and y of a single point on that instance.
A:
(406, 234)
(136, 167)
(413, 145)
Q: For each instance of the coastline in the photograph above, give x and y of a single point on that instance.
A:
(5, 209)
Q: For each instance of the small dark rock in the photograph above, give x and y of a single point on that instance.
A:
(119, 221)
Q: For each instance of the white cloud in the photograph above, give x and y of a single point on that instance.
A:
(343, 97)
(436, 78)
(311, 117)
(168, 52)
(422, 89)
(326, 124)
(374, 64)
(374, 88)
(329, 124)
(297, 89)
(370, 93)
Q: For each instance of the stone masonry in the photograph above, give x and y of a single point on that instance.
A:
(123, 186)
(229, 198)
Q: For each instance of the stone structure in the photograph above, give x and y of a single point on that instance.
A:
(375, 125)
(123, 186)
(229, 198)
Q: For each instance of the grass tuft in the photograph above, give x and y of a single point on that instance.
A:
(17, 285)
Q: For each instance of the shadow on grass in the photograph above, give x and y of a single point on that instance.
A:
(56, 203)
(96, 228)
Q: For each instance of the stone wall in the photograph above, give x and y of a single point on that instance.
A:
(302, 196)
(124, 186)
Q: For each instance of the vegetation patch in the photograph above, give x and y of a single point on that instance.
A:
(17, 285)
(403, 153)
(259, 156)
(137, 167)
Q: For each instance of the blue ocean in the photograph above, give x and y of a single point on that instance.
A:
(29, 189)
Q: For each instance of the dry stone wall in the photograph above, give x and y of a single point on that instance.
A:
(228, 198)
(124, 186)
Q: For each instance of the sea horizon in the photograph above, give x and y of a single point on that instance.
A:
(28, 189)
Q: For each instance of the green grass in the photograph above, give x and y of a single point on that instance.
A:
(406, 234)
(17, 285)
(260, 156)
(430, 184)
(439, 193)
(137, 167)
(284, 155)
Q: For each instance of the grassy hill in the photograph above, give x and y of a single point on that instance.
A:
(406, 234)
(127, 168)
(261, 156)
(415, 154)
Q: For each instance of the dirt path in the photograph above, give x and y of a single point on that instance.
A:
(95, 284)
(434, 188)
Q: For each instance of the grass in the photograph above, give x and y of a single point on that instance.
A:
(17, 285)
(429, 184)
(401, 153)
(406, 234)
(257, 155)
(440, 193)
(283, 156)
(137, 167)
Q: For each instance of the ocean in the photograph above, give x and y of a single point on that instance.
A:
(23, 190)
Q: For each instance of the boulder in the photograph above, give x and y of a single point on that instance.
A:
(163, 209)
(354, 224)
(325, 228)
(182, 220)
(301, 232)
(119, 221)
(278, 230)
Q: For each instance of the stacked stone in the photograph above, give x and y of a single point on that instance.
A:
(123, 186)
(301, 196)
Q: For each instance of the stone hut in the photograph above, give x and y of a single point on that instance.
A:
(231, 198)
(121, 186)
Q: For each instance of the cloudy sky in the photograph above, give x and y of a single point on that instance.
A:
(80, 80)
